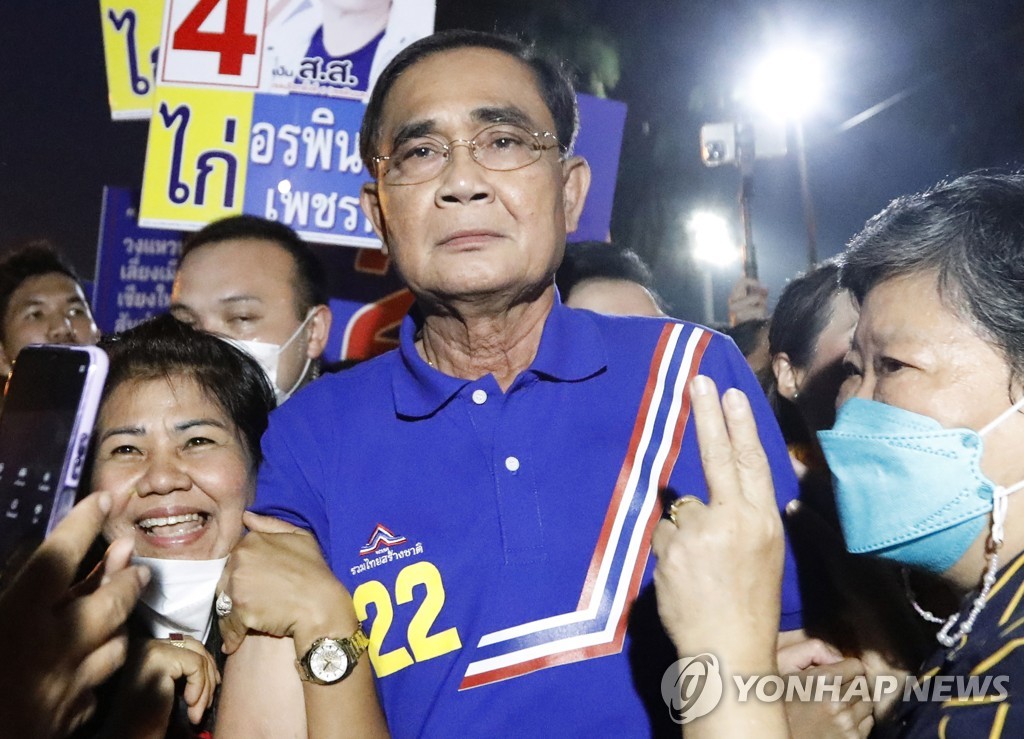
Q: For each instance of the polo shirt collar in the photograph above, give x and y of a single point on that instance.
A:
(571, 349)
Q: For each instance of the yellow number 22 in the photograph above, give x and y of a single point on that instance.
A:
(424, 645)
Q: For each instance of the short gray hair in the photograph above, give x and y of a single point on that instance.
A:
(969, 232)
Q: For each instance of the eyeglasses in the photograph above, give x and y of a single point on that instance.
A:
(500, 147)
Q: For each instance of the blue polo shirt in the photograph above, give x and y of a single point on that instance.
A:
(497, 544)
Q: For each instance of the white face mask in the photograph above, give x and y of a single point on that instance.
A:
(179, 597)
(268, 356)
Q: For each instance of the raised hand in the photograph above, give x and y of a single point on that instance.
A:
(60, 643)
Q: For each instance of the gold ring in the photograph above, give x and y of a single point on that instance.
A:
(177, 640)
(675, 505)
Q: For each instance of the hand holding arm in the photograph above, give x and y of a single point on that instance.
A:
(145, 697)
(281, 586)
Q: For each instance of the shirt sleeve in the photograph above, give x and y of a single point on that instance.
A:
(290, 481)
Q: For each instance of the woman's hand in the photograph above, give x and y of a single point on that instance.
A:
(145, 698)
(279, 584)
(719, 570)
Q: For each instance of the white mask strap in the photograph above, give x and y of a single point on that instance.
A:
(309, 315)
(284, 395)
(999, 505)
(1003, 416)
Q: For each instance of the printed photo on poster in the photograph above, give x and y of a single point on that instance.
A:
(337, 48)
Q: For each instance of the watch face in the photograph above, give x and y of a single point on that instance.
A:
(328, 662)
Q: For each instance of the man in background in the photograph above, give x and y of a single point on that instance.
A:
(257, 283)
(41, 302)
(606, 278)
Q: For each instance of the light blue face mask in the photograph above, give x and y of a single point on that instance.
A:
(908, 489)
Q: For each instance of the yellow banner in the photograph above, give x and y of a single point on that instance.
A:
(196, 157)
(131, 37)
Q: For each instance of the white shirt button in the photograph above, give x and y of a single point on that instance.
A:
(479, 396)
(511, 464)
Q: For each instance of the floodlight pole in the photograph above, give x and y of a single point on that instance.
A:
(709, 296)
(745, 162)
(805, 194)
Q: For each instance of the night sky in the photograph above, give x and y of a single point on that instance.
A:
(675, 63)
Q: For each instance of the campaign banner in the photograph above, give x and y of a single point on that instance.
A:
(602, 123)
(315, 47)
(304, 168)
(131, 38)
(295, 159)
(233, 131)
(196, 157)
(135, 266)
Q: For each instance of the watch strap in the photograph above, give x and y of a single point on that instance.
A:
(353, 646)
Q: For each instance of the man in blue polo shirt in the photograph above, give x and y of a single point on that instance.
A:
(487, 491)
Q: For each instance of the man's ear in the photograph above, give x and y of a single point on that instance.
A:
(319, 330)
(575, 185)
(369, 201)
(787, 377)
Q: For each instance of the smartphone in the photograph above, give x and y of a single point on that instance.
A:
(49, 409)
(719, 142)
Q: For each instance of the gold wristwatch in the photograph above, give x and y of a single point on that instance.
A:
(330, 660)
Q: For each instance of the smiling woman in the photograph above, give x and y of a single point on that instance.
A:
(178, 430)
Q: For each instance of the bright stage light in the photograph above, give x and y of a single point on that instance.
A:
(711, 239)
(788, 84)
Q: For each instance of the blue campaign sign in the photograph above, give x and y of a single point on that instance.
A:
(602, 123)
(134, 266)
(304, 167)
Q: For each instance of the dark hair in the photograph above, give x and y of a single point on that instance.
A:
(552, 79)
(164, 347)
(969, 232)
(30, 260)
(803, 311)
(310, 279)
(598, 260)
(746, 334)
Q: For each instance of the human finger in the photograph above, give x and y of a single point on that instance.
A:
(117, 557)
(197, 667)
(865, 725)
(664, 531)
(55, 563)
(716, 453)
(752, 469)
(847, 669)
(861, 711)
(99, 664)
(807, 653)
(82, 708)
(94, 618)
(269, 524)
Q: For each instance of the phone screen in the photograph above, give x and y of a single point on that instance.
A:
(43, 442)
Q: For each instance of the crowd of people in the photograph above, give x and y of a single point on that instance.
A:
(553, 502)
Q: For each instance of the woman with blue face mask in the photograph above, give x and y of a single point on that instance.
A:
(925, 452)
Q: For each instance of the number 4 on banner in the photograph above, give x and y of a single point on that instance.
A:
(216, 43)
(233, 43)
